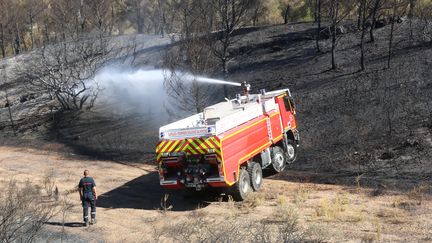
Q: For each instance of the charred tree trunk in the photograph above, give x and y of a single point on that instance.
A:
(2, 41)
(374, 19)
(81, 18)
(390, 45)
(46, 33)
(163, 24)
(318, 20)
(23, 43)
(17, 41)
(334, 11)
(363, 33)
(360, 14)
(412, 4)
(16, 45)
(31, 20)
(10, 113)
(225, 71)
(390, 128)
(286, 14)
(255, 19)
(333, 50)
(140, 24)
(185, 18)
(162, 20)
(316, 12)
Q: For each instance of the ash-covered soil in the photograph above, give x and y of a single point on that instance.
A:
(372, 127)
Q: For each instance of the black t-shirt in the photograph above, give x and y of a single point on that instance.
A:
(87, 184)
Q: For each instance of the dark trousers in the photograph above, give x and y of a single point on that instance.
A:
(86, 202)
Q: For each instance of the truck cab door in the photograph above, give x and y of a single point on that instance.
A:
(287, 111)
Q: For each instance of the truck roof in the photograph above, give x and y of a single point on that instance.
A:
(221, 117)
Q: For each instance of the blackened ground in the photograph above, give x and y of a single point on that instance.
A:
(371, 127)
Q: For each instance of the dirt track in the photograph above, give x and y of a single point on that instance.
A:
(129, 202)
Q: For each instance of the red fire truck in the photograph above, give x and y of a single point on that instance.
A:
(229, 143)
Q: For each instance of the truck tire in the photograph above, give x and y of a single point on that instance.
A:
(256, 175)
(243, 186)
(291, 153)
(278, 159)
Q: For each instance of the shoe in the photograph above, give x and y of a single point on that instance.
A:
(93, 221)
(86, 223)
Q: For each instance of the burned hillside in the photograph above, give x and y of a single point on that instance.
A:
(289, 120)
(374, 123)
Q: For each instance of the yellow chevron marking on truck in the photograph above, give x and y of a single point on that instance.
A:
(191, 146)
(180, 146)
(197, 143)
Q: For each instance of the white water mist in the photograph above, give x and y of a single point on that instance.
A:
(141, 91)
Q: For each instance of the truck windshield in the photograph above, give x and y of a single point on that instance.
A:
(287, 102)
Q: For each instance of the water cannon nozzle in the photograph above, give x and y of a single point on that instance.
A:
(246, 88)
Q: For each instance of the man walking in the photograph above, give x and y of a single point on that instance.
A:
(87, 191)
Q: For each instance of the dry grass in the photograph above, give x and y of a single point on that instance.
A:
(368, 238)
(392, 215)
(353, 216)
(281, 200)
(49, 183)
(378, 228)
(281, 210)
(253, 201)
(403, 202)
(23, 212)
(331, 209)
(301, 195)
(284, 212)
(417, 193)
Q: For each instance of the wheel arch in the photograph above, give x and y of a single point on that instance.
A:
(293, 135)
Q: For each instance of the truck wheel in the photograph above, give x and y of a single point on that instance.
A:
(278, 159)
(291, 153)
(242, 188)
(256, 176)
